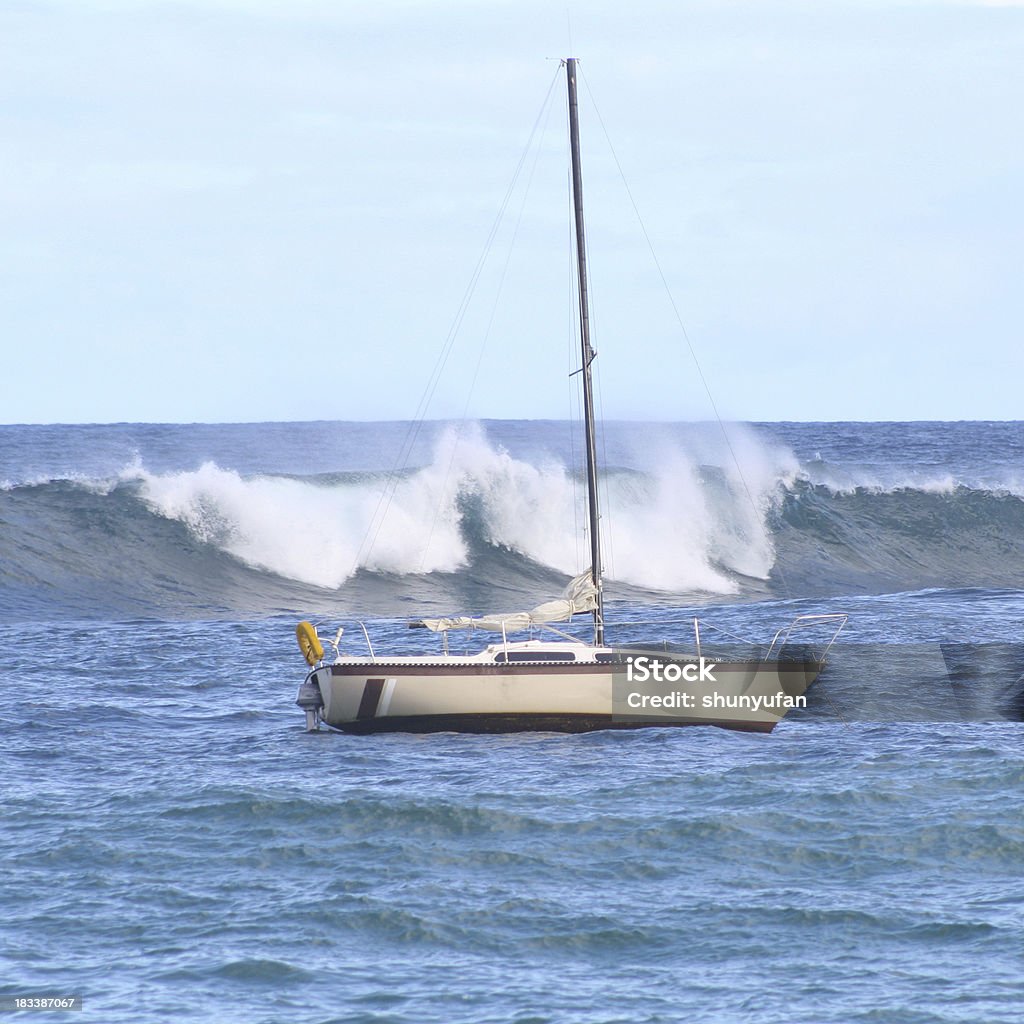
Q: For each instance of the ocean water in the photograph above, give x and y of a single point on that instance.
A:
(176, 847)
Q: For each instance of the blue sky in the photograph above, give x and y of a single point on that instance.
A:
(237, 210)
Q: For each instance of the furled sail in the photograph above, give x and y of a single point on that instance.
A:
(579, 596)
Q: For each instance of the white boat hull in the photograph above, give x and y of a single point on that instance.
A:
(466, 695)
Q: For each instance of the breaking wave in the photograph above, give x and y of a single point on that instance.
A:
(477, 520)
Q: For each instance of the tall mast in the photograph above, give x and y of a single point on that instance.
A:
(587, 352)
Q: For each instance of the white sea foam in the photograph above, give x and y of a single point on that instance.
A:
(667, 528)
(308, 532)
(845, 480)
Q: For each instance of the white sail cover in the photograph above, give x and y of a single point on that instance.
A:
(579, 596)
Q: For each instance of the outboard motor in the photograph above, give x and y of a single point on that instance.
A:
(311, 701)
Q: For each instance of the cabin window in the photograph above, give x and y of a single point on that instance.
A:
(518, 656)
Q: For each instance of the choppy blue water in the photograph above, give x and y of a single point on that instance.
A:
(176, 847)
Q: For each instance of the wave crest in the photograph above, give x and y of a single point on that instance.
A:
(474, 524)
(680, 527)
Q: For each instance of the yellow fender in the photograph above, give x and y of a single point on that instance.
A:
(309, 642)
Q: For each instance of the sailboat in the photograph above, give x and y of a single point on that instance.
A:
(557, 683)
